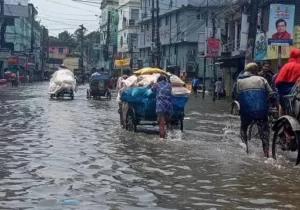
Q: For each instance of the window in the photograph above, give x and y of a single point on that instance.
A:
(135, 13)
(177, 17)
(121, 12)
(125, 35)
(61, 50)
(167, 20)
(121, 41)
(175, 49)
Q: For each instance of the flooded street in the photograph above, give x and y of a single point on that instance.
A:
(53, 150)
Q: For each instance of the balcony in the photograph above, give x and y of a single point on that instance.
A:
(129, 23)
(232, 48)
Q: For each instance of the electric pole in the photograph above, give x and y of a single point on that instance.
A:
(131, 52)
(157, 44)
(82, 30)
(205, 50)
(108, 36)
(43, 47)
(252, 31)
(153, 34)
(2, 41)
(214, 58)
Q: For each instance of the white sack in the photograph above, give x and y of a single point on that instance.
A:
(130, 81)
(176, 81)
(148, 80)
(176, 91)
(62, 79)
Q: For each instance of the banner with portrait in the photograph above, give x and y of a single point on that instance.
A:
(281, 24)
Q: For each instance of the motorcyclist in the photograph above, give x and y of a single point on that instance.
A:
(253, 92)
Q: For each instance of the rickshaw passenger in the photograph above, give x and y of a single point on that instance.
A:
(288, 77)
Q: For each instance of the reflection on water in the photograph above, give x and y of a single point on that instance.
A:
(72, 155)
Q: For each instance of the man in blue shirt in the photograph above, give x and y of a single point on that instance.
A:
(164, 108)
(195, 85)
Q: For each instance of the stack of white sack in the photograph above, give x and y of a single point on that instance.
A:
(62, 79)
(178, 88)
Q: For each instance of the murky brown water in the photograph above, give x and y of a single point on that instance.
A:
(55, 150)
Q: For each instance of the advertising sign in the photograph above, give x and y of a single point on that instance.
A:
(13, 8)
(213, 47)
(13, 60)
(5, 53)
(281, 24)
(263, 51)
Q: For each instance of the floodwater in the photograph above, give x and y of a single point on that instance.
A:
(67, 154)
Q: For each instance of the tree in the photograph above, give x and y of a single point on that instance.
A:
(67, 39)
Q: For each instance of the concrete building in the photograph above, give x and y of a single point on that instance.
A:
(181, 22)
(109, 20)
(56, 54)
(23, 38)
(128, 29)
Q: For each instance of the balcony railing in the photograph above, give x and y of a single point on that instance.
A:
(232, 46)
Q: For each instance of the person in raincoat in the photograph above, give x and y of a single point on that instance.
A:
(253, 93)
(287, 78)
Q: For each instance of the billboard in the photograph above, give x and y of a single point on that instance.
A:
(13, 8)
(281, 24)
(263, 51)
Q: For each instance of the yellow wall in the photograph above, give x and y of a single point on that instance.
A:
(71, 63)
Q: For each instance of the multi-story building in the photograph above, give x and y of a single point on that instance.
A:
(128, 30)
(109, 39)
(56, 56)
(180, 23)
(23, 38)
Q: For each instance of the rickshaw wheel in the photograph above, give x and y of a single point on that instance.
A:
(108, 96)
(276, 141)
(131, 121)
(88, 94)
(181, 125)
(234, 109)
(72, 95)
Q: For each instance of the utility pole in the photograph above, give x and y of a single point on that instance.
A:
(205, 59)
(2, 41)
(131, 52)
(32, 31)
(214, 58)
(252, 31)
(82, 29)
(43, 48)
(153, 34)
(157, 44)
(108, 36)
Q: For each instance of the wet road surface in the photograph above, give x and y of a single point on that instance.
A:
(55, 150)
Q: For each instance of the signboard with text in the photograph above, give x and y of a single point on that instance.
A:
(213, 47)
(281, 24)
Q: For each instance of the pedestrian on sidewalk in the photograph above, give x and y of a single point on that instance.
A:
(219, 91)
(195, 85)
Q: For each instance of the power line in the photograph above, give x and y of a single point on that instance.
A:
(68, 5)
(65, 14)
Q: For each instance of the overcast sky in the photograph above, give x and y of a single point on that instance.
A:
(60, 15)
